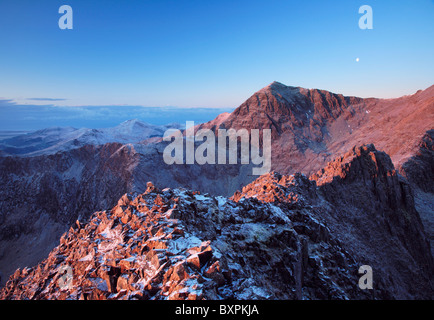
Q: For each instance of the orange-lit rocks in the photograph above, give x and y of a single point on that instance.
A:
(281, 237)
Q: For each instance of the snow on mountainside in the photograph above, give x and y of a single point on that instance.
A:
(52, 140)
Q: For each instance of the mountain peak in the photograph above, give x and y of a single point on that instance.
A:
(278, 104)
(280, 88)
(276, 84)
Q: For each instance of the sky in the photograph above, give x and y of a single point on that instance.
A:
(211, 55)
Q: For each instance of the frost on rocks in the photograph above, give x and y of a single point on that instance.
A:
(175, 244)
(275, 239)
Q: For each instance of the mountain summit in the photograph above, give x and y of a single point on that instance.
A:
(311, 126)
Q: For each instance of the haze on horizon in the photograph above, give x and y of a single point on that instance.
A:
(203, 54)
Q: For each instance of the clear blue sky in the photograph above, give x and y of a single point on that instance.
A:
(207, 53)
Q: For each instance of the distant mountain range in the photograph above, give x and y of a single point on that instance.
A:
(52, 140)
(376, 209)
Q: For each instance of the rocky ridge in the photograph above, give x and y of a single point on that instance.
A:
(281, 237)
(42, 195)
(157, 246)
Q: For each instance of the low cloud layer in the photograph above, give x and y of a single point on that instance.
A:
(33, 117)
(46, 99)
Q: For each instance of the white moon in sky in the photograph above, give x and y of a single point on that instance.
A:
(357, 59)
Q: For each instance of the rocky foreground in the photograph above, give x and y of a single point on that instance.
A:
(280, 237)
(51, 178)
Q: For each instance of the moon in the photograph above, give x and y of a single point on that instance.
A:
(357, 59)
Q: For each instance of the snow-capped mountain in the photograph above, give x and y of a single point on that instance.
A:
(52, 140)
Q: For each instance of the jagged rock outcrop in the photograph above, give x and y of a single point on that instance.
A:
(178, 244)
(281, 237)
(364, 185)
(375, 214)
(370, 208)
